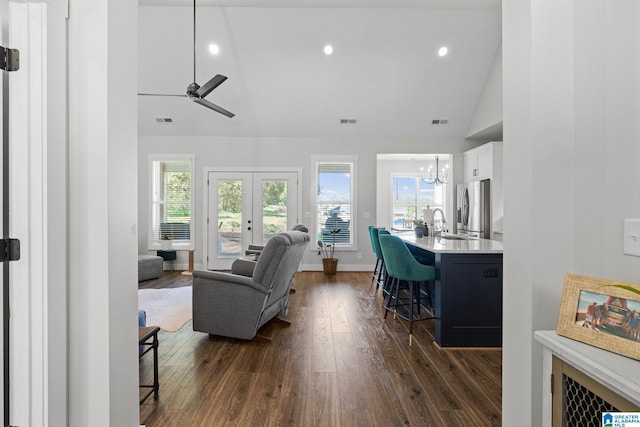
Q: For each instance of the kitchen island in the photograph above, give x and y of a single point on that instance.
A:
(468, 289)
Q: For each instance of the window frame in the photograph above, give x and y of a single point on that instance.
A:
(352, 160)
(417, 177)
(152, 243)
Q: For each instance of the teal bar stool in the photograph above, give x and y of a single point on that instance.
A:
(385, 280)
(378, 271)
(406, 275)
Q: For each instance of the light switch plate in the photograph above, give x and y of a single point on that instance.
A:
(631, 238)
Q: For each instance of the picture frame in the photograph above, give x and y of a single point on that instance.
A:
(601, 313)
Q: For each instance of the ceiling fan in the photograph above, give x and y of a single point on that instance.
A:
(195, 92)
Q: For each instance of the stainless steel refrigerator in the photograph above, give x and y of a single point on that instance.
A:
(473, 209)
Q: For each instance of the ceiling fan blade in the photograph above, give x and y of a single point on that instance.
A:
(206, 88)
(161, 94)
(213, 107)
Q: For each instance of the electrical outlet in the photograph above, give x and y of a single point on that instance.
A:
(359, 255)
(631, 237)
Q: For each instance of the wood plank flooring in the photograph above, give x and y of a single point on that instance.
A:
(338, 364)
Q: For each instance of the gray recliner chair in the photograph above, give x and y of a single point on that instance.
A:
(245, 266)
(256, 250)
(236, 306)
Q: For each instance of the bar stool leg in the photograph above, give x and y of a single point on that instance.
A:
(411, 296)
(387, 282)
(383, 279)
(396, 298)
(376, 274)
(387, 305)
(417, 296)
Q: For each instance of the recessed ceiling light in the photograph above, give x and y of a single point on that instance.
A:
(443, 51)
(328, 49)
(214, 49)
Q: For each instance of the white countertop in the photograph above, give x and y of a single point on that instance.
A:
(438, 245)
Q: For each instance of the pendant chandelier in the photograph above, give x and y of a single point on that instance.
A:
(438, 180)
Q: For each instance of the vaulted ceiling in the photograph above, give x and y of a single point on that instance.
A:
(384, 72)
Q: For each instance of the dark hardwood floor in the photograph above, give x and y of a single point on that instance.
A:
(338, 364)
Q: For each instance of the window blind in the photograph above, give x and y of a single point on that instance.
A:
(334, 203)
(171, 200)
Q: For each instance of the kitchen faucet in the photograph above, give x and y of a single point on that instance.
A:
(433, 223)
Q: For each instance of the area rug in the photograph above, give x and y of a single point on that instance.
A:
(168, 308)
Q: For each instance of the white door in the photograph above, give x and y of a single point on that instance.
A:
(34, 133)
(4, 8)
(247, 208)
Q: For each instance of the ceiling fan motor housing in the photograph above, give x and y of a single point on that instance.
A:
(192, 88)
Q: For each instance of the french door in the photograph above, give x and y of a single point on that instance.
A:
(247, 208)
(4, 226)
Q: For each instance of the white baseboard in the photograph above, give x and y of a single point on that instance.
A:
(305, 267)
(341, 267)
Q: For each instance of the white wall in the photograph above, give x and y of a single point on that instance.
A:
(103, 350)
(285, 152)
(571, 102)
(488, 112)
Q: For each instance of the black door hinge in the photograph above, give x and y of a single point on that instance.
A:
(9, 59)
(9, 250)
(552, 385)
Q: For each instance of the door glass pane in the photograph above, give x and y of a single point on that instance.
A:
(229, 218)
(274, 208)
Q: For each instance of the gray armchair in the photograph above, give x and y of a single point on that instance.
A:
(236, 306)
(244, 266)
(256, 250)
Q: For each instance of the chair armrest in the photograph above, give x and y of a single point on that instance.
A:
(217, 278)
(243, 267)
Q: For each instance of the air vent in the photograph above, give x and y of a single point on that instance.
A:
(164, 120)
(348, 121)
(439, 121)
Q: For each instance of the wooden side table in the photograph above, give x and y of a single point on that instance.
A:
(148, 337)
(190, 271)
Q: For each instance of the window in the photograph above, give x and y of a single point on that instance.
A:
(410, 196)
(334, 189)
(171, 206)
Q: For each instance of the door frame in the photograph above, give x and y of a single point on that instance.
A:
(245, 169)
(38, 172)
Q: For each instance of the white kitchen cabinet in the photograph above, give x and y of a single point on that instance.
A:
(485, 162)
(478, 162)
